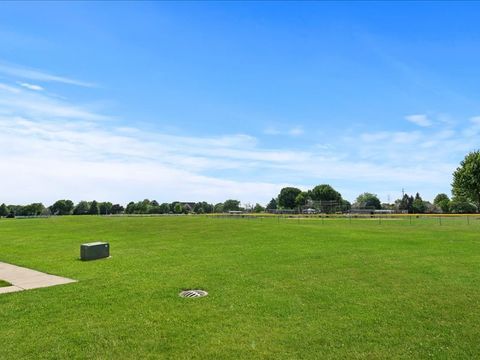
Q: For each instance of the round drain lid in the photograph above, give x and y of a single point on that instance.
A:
(193, 293)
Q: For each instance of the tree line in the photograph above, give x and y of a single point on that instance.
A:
(322, 198)
(325, 199)
(68, 207)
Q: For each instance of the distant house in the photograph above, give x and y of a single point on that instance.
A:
(189, 206)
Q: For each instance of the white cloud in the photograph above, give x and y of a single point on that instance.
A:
(473, 129)
(85, 160)
(419, 119)
(15, 101)
(475, 120)
(32, 74)
(385, 137)
(53, 148)
(271, 130)
(31, 86)
(373, 137)
(8, 88)
(294, 131)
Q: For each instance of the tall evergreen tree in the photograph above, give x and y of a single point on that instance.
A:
(272, 205)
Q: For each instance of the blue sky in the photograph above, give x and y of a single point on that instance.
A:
(208, 101)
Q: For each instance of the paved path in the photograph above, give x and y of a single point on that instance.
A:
(25, 279)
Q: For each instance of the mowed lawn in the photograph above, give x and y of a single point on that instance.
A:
(306, 289)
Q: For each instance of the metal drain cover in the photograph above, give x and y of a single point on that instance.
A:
(193, 293)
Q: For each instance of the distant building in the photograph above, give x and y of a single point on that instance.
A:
(189, 206)
(384, 211)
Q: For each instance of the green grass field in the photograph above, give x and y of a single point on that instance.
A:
(294, 289)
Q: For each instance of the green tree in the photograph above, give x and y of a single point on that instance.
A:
(301, 199)
(418, 205)
(466, 178)
(164, 208)
(325, 192)
(117, 209)
(34, 209)
(178, 208)
(461, 205)
(93, 210)
(81, 208)
(198, 208)
(406, 203)
(287, 197)
(4, 210)
(203, 208)
(208, 208)
(154, 210)
(443, 202)
(368, 201)
(130, 209)
(105, 208)
(272, 205)
(218, 208)
(62, 207)
(172, 206)
(439, 198)
(231, 205)
(258, 208)
(345, 205)
(143, 207)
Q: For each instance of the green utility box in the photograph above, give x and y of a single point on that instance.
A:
(94, 250)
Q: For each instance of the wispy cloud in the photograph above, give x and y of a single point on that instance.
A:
(102, 162)
(474, 127)
(292, 131)
(31, 86)
(16, 101)
(8, 88)
(419, 119)
(296, 131)
(475, 120)
(37, 75)
(271, 130)
(70, 153)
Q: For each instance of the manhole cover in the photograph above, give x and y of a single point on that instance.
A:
(193, 293)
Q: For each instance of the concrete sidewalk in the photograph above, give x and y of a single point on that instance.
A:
(25, 279)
